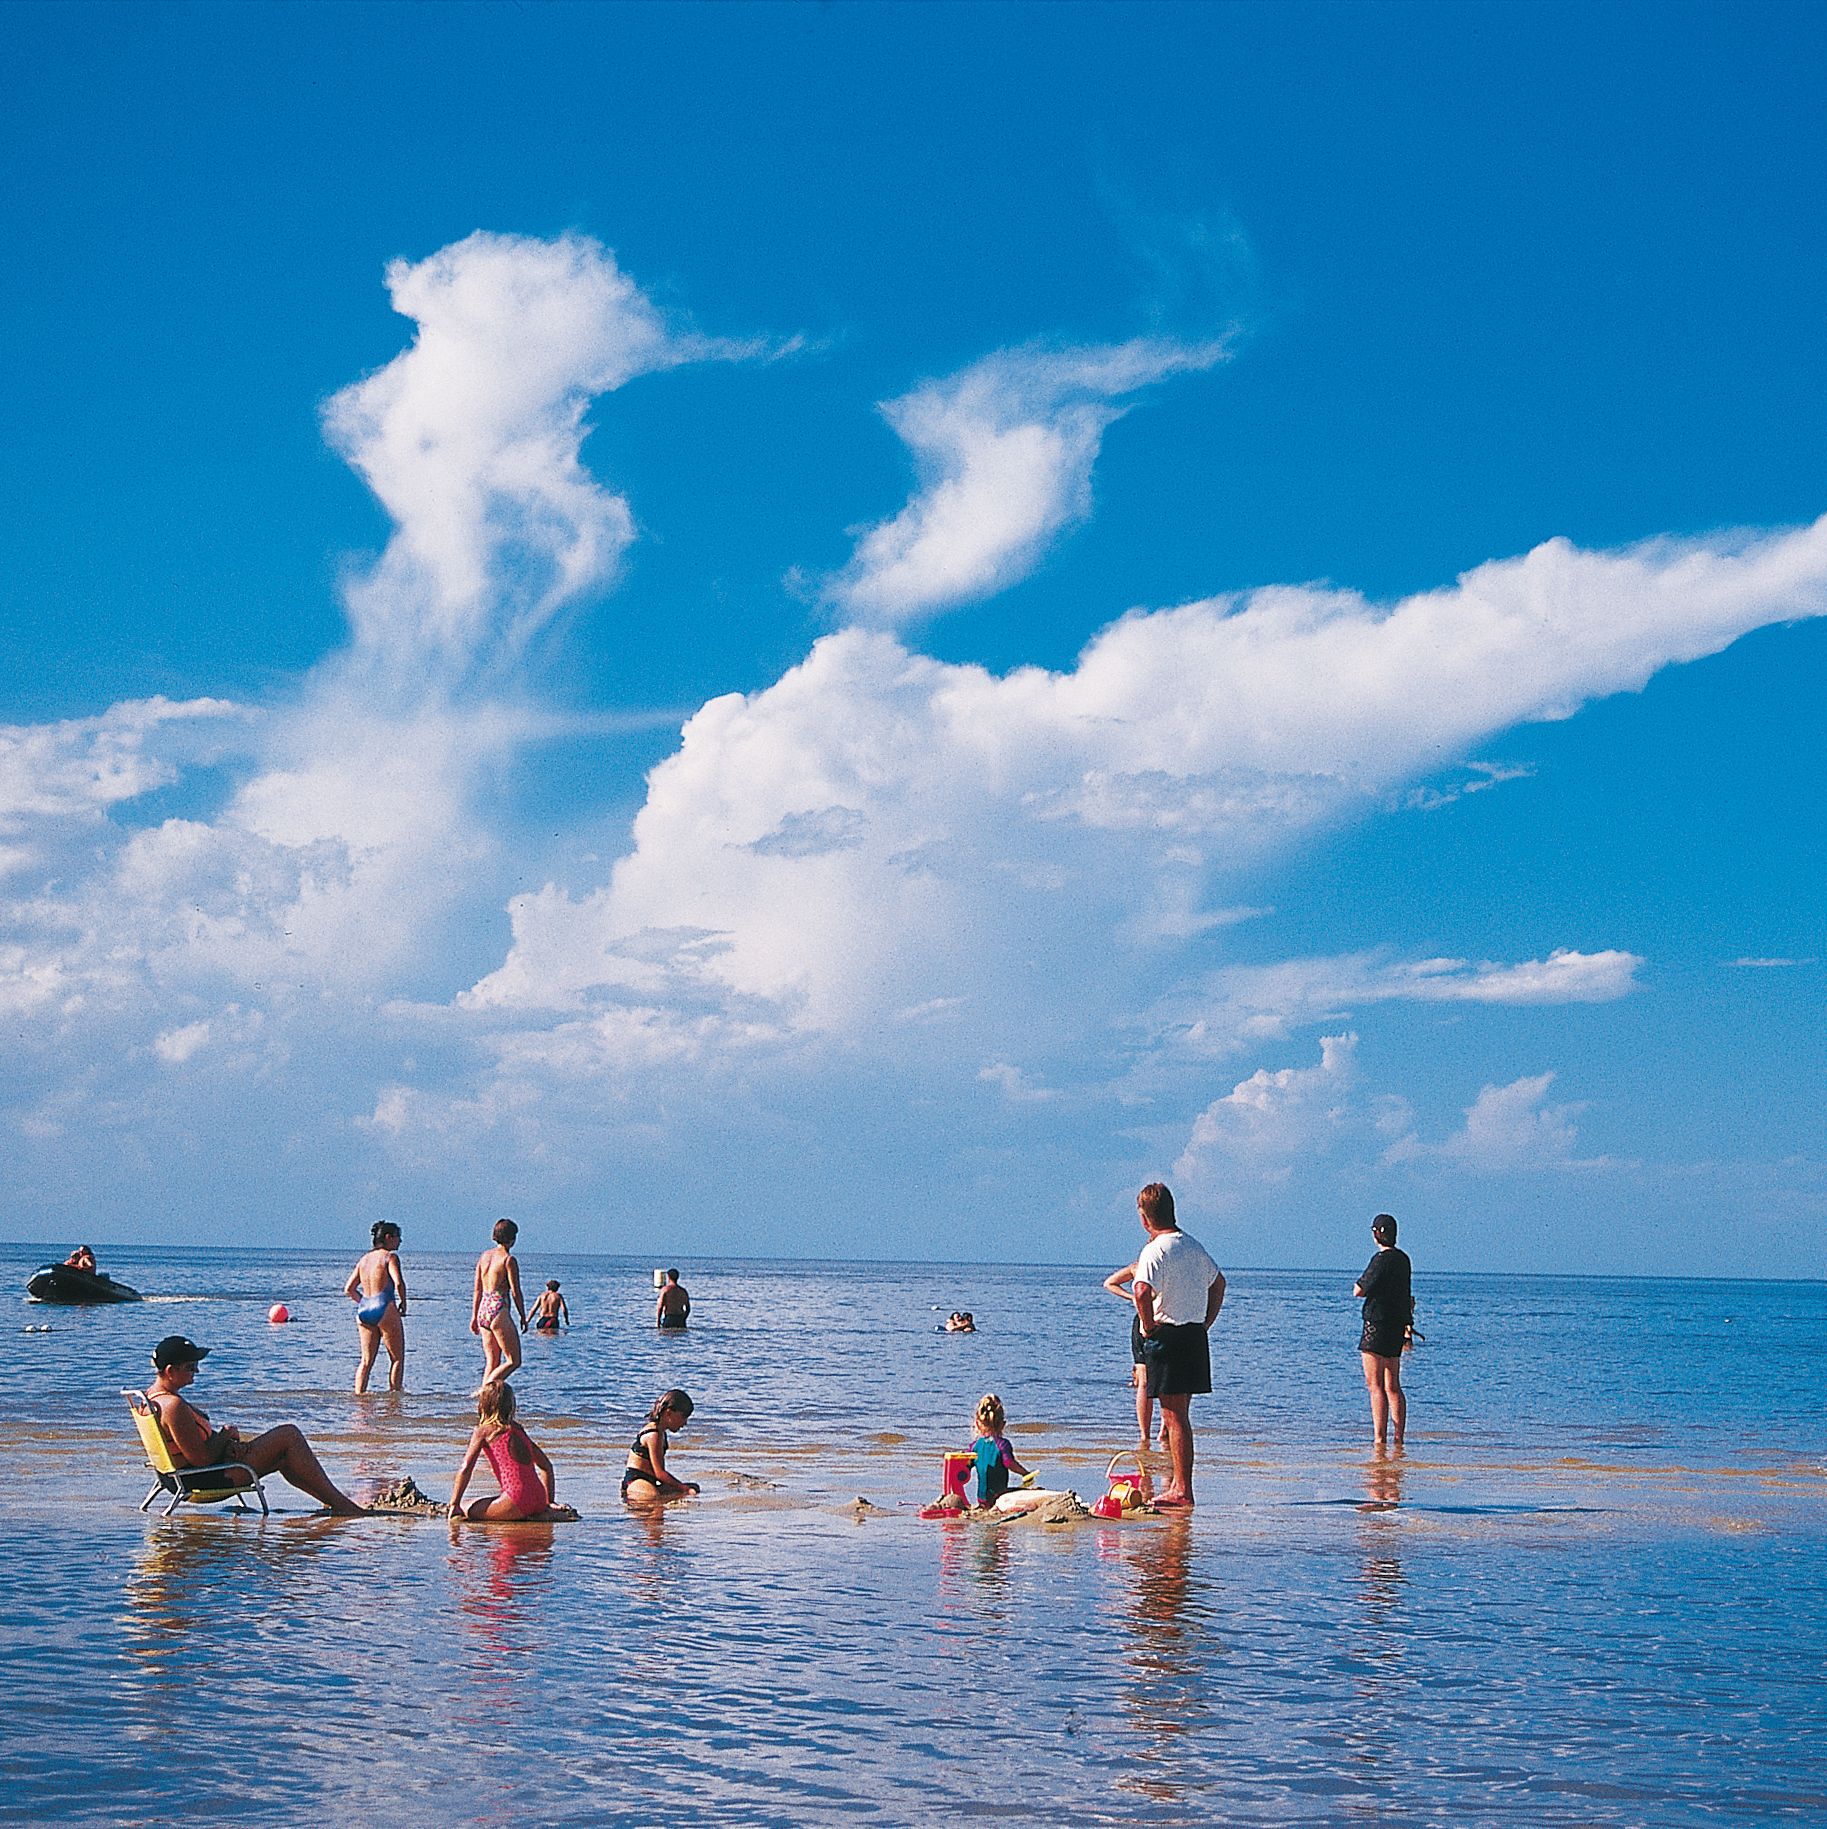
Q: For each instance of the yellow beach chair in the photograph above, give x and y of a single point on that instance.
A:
(200, 1485)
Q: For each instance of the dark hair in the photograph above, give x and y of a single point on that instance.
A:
(381, 1229)
(672, 1276)
(551, 1282)
(1157, 1205)
(1383, 1228)
(671, 1400)
(505, 1232)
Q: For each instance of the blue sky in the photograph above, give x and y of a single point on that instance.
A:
(1267, 555)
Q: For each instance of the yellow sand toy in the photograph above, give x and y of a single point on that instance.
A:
(200, 1485)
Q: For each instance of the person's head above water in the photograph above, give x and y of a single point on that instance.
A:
(672, 1276)
(991, 1417)
(552, 1282)
(385, 1233)
(1383, 1228)
(174, 1349)
(1156, 1205)
(505, 1232)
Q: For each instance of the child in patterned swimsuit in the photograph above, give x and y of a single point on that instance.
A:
(498, 1279)
(522, 1469)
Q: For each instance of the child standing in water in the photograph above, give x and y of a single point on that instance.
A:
(645, 1480)
(498, 1280)
(549, 1309)
(377, 1286)
(1123, 1283)
(995, 1458)
(522, 1469)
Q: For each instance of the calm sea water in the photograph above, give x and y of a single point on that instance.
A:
(1590, 1593)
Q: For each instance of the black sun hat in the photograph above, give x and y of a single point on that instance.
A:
(174, 1349)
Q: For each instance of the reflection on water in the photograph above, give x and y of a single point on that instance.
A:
(1170, 1649)
(974, 1571)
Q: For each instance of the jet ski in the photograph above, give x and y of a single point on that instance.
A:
(66, 1284)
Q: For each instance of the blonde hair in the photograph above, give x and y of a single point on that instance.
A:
(991, 1417)
(495, 1406)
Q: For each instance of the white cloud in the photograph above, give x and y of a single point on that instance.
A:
(1016, 1087)
(1005, 451)
(1770, 965)
(1244, 1003)
(175, 1046)
(1513, 1128)
(1267, 1122)
(471, 439)
(83, 766)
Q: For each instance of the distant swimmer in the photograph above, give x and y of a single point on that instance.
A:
(549, 1310)
(1387, 1291)
(961, 1321)
(497, 1284)
(522, 1469)
(377, 1286)
(645, 1480)
(673, 1305)
(194, 1443)
(82, 1258)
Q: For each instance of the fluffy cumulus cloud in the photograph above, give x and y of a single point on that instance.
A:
(1004, 453)
(879, 829)
(1513, 1127)
(921, 886)
(471, 440)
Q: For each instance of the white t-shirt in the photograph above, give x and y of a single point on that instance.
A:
(1181, 1273)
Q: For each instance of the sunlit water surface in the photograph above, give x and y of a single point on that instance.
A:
(1590, 1593)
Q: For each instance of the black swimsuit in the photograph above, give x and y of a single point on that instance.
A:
(639, 1446)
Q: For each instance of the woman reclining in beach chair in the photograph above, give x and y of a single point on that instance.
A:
(184, 1434)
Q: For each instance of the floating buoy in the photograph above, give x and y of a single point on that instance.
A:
(278, 1313)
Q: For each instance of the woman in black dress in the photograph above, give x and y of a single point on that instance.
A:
(1387, 1291)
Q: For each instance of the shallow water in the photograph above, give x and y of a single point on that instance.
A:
(1589, 1594)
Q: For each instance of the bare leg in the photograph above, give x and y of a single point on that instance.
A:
(371, 1346)
(1145, 1407)
(1379, 1397)
(1177, 1421)
(1396, 1398)
(491, 1355)
(393, 1331)
(502, 1343)
(285, 1451)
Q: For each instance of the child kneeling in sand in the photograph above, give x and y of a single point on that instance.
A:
(522, 1469)
(645, 1480)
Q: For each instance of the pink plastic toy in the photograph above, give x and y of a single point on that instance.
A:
(953, 1503)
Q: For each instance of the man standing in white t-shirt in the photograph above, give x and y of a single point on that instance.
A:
(1178, 1293)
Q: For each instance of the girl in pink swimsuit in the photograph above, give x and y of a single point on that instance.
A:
(529, 1488)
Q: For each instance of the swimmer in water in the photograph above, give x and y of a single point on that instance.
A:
(645, 1480)
(522, 1469)
(377, 1286)
(961, 1321)
(673, 1304)
(549, 1309)
(497, 1282)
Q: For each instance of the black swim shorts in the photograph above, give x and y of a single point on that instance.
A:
(1135, 1341)
(1384, 1339)
(1179, 1360)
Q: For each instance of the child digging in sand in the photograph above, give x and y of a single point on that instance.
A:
(522, 1469)
(990, 1458)
(498, 1280)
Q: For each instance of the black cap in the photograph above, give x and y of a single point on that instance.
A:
(174, 1349)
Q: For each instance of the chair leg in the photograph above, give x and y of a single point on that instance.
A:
(157, 1488)
(177, 1499)
(260, 1494)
